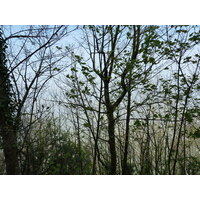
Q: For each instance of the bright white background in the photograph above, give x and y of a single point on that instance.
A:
(99, 12)
(99, 187)
(74, 12)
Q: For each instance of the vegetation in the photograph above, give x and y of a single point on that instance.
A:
(100, 100)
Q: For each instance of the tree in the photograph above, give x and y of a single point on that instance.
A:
(107, 100)
(7, 129)
(113, 68)
(30, 67)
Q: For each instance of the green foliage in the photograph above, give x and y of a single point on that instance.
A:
(189, 117)
(137, 123)
(7, 104)
(193, 164)
(164, 96)
(86, 125)
(195, 134)
(70, 160)
(54, 153)
(56, 69)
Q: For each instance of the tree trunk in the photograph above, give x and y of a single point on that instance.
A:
(7, 130)
(111, 128)
(125, 170)
(9, 148)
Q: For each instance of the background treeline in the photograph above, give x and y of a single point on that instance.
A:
(100, 99)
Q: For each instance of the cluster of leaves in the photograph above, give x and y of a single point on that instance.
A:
(6, 95)
(69, 160)
(54, 152)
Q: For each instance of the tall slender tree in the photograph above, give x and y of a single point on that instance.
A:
(7, 129)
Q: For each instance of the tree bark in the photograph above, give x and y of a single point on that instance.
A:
(111, 132)
(111, 129)
(9, 147)
(125, 170)
(7, 129)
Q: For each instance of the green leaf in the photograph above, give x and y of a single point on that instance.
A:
(57, 47)
(152, 60)
(56, 69)
(188, 117)
(167, 117)
(196, 134)
(155, 116)
(137, 123)
(128, 34)
(86, 125)
(74, 69)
